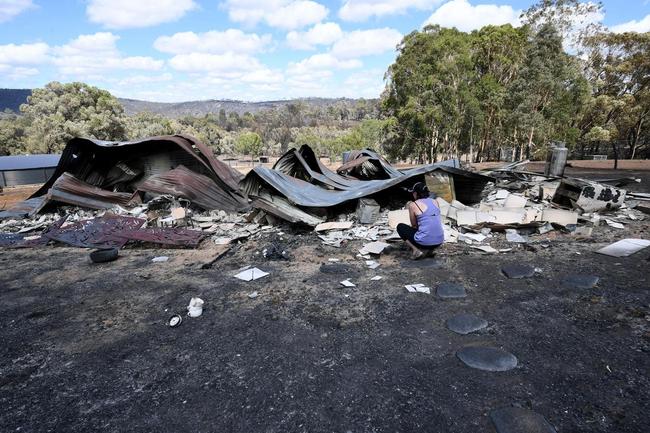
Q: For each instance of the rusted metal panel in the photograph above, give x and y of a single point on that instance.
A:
(195, 187)
(91, 160)
(164, 235)
(100, 232)
(70, 190)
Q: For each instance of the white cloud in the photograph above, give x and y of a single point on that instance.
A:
(90, 55)
(465, 17)
(366, 42)
(320, 34)
(122, 14)
(283, 14)
(361, 10)
(145, 79)
(365, 84)
(212, 42)
(321, 62)
(640, 26)
(225, 63)
(11, 8)
(25, 54)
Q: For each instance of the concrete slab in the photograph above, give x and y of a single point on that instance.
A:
(515, 270)
(450, 290)
(580, 281)
(487, 358)
(466, 323)
(519, 420)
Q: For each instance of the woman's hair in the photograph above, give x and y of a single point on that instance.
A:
(421, 190)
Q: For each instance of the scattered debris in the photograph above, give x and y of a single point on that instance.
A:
(253, 295)
(624, 247)
(614, 224)
(160, 259)
(104, 256)
(251, 274)
(175, 320)
(373, 248)
(418, 288)
(195, 309)
(347, 283)
(372, 264)
(334, 225)
(376, 278)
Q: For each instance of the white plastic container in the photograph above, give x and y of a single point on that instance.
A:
(195, 309)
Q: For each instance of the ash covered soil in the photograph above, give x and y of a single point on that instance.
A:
(86, 347)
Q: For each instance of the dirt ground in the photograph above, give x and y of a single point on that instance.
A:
(86, 347)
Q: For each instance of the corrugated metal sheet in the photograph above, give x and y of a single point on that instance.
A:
(199, 189)
(70, 190)
(315, 187)
(94, 162)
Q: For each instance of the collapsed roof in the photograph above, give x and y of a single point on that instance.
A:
(102, 174)
(301, 178)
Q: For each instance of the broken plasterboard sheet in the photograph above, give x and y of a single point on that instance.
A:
(515, 201)
(443, 205)
(486, 249)
(466, 217)
(614, 224)
(513, 236)
(451, 235)
(333, 225)
(347, 283)
(559, 216)
(418, 288)
(376, 278)
(476, 237)
(532, 214)
(624, 248)
(502, 216)
(372, 264)
(396, 217)
(373, 248)
(251, 274)
(501, 194)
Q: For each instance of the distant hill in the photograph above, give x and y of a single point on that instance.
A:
(200, 108)
(12, 98)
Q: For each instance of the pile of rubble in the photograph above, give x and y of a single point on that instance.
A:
(171, 190)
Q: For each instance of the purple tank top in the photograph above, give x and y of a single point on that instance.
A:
(429, 225)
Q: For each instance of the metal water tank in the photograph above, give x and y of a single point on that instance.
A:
(556, 160)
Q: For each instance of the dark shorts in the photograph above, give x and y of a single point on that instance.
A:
(407, 233)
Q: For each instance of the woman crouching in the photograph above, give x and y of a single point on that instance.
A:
(425, 233)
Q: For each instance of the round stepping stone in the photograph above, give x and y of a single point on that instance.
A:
(450, 290)
(515, 270)
(580, 281)
(466, 323)
(335, 268)
(428, 262)
(487, 358)
(519, 420)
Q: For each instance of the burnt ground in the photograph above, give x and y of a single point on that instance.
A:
(86, 346)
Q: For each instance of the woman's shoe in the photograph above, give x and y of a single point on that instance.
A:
(417, 255)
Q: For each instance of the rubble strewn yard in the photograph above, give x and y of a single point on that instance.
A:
(542, 323)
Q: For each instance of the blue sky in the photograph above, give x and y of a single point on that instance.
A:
(177, 50)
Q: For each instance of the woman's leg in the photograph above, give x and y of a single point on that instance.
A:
(407, 233)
